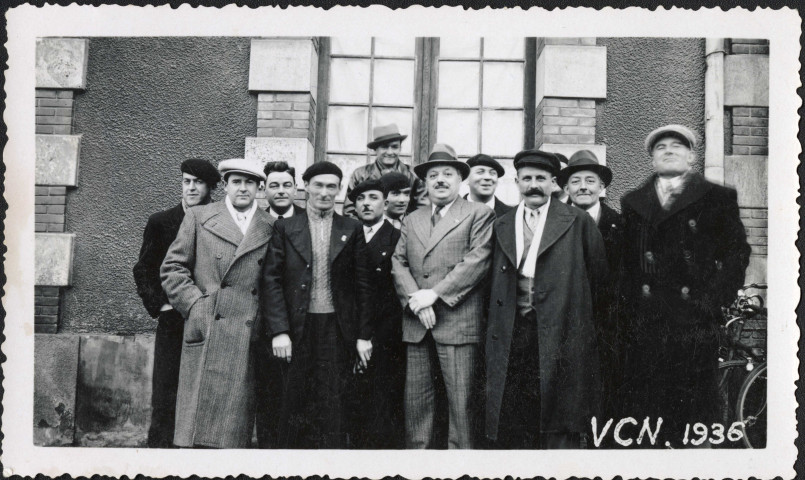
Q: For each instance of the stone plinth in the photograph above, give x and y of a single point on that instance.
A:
(284, 65)
(53, 265)
(57, 159)
(298, 152)
(748, 174)
(61, 63)
(55, 372)
(572, 71)
(746, 81)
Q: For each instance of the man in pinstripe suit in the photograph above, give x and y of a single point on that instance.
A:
(439, 268)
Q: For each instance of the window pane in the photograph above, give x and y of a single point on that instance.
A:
(503, 47)
(394, 82)
(502, 133)
(458, 84)
(347, 164)
(507, 190)
(346, 129)
(403, 117)
(349, 80)
(503, 84)
(351, 45)
(394, 47)
(459, 129)
(459, 47)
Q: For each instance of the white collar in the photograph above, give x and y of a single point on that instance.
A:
(444, 209)
(287, 214)
(377, 224)
(249, 214)
(595, 211)
(490, 203)
(668, 183)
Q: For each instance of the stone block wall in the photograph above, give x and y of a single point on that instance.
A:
(756, 222)
(750, 131)
(54, 111)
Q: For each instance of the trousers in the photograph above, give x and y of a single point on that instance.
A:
(165, 378)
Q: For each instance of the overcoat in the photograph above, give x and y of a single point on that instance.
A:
(571, 265)
(680, 266)
(211, 274)
(159, 233)
(500, 207)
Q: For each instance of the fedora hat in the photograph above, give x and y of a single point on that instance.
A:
(442, 154)
(680, 132)
(385, 134)
(584, 160)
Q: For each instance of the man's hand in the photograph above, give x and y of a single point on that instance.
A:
(422, 299)
(281, 346)
(427, 317)
(364, 348)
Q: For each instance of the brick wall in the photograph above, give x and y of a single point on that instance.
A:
(745, 46)
(46, 309)
(54, 111)
(564, 120)
(757, 229)
(288, 115)
(750, 131)
(49, 208)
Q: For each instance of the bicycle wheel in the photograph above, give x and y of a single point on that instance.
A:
(731, 374)
(751, 408)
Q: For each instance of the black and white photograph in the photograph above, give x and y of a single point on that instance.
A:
(310, 248)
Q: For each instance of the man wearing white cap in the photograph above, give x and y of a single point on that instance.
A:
(211, 275)
(685, 255)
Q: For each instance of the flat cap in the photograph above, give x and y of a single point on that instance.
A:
(202, 169)
(486, 161)
(584, 160)
(365, 186)
(322, 168)
(537, 158)
(395, 181)
(680, 132)
(442, 154)
(241, 165)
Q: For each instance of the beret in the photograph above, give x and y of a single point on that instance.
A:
(537, 158)
(395, 181)
(486, 161)
(680, 132)
(202, 169)
(365, 186)
(322, 168)
(241, 165)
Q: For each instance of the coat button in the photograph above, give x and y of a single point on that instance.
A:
(646, 290)
(307, 266)
(685, 293)
(218, 316)
(426, 275)
(224, 285)
(259, 261)
(494, 337)
(303, 286)
(719, 265)
(503, 268)
(254, 291)
(249, 323)
(649, 257)
(499, 302)
(692, 225)
(218, 256)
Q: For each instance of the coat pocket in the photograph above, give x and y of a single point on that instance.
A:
(196, 329)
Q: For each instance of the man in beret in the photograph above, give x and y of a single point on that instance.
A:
(379, 423)
(685, 255)
(281, 190)
(199, 179)
(439, 268)
(211, 274)
(584, 179)
(485, 172)
(398, 186)
(316, 306)
(542, 371)
(386, 144)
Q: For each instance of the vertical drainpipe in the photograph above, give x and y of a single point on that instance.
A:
(714, 111)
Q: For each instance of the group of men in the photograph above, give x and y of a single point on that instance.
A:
(432, 320)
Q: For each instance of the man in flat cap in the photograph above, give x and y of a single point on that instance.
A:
(542, 372)
(379, 423)
(398, 186)
(316, 304)
(584, 179)
(281, 190)
(485, 172)
(211, 274)
(199, 179)
(439, 268)
(685, 255)
(386, 144)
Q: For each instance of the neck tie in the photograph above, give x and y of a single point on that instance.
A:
(437, 215)
(531, 219)
(279, 217)
(368, 234)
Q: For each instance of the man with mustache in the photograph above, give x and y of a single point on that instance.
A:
(281, 190)
(439, 268)
(485, 172)
(386, 144)
(542, 371)
(199, 179)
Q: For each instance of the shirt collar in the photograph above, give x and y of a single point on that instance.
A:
(541, 210)
(287, 214)
(595, 211)
(490, 203)
(249, 213)
(375, 226)
(444, 209)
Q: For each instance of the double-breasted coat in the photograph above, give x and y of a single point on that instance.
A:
(211, 275)
(681, 264)
(571, 265)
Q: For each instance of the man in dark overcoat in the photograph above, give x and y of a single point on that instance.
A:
(316, 304)
(199, 179)
(685, 255)
(542, 367)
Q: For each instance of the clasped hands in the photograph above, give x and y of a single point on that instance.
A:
(421, 303)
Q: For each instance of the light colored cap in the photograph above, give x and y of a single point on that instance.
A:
(241, 165)
(677, 131)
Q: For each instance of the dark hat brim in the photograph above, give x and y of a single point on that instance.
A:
(603, 171)
(422, 169)
(385, 139)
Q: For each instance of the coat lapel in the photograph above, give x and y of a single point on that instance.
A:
(380, 246)
(420, 224)
(298, 234)
(339, 235)
(221, 224)
(695, 189)
(504, 233)
(558, 222)
(451, 220)
(257, 235)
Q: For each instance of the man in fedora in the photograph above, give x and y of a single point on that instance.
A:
(685, 256)
(583, 180)
(316, 305)
(439, 268)
(386, 144)
(211, 274)
(199, 179)
(542, 371)
(485, 172)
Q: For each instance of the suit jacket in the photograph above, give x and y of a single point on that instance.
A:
(453, 260)
(211, 274)
(287, 277)
(297, 210)
(500, 207)
(570, 266)
(160, 231)
(387, 322)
